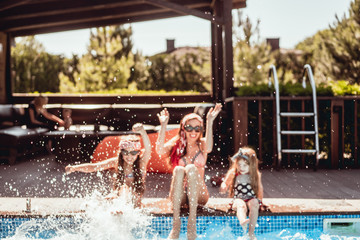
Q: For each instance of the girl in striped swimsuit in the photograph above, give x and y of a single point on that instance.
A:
(243, 181)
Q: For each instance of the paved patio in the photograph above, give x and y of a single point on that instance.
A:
(285, 191)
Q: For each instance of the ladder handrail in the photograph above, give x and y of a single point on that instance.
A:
(308, 72)
(272, 73)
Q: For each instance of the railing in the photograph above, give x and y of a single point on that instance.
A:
(252, 121)
(273, 74)
(309, 74)
(288, 115)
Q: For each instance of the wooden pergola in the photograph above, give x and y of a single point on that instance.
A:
(31, 17)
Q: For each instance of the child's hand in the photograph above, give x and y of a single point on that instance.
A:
(138, 127)
(223, 188)
(213, 112)
(69, 169)
(264, 208)
(163, 116)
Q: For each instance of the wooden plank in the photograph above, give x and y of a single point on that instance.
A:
(337, 133)
(240, 125)
(356, 142)
(260, 106)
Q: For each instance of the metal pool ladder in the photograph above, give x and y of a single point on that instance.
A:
(280, 132)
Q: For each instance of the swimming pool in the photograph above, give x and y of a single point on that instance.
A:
(147, 227)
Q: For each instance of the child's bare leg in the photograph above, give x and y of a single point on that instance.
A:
(177, 196)
(253, 216)
(192, 176)
(241, 208)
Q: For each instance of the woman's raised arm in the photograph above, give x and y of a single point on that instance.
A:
(160, 142)
(210, 117)
(139, 128)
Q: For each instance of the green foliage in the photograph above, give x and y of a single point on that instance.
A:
(254, 90)
(139, 74)
(183, 69)
(289, 65)
(324, 90)
(334, 53)
(342, 88)
(344, 46)
(111, 66)
(252, 59)
(33, 68)
(107, 64)
(287, 89)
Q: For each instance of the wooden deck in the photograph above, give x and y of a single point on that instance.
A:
(44, 177)
(285, 191)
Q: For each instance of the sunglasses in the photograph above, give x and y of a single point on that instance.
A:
(124, 152)
(189, 128)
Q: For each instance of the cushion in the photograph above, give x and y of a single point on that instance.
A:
(15, 135)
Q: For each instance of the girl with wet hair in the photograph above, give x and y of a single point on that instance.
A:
(188, 153)
(129, 166)
(243, 182)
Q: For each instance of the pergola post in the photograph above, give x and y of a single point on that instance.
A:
(228, 71)
(3, 55)
(222, 52)
(217, 56)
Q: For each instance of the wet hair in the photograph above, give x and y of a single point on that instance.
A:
(179, 148)
(249, 156)
(138, 184)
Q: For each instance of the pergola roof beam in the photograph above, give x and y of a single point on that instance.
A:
(89, 24)
(6, 4)
(185, 10)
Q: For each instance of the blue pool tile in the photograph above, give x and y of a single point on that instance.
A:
(163, 225)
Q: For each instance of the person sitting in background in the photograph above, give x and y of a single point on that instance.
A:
(130, 166)
(38, 116)
(67, 118)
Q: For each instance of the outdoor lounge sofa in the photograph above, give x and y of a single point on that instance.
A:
(91, 124)
(15, 139)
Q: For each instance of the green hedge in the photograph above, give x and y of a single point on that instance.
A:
(338, 88)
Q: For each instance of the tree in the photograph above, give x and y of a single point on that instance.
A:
(289, 65)
(334, 53)
(34, 70)
(252, 58)
(183, 69)
(108, 62)
(343, 45)
(139, 75)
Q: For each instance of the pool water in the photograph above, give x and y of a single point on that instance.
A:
(99, 221)
(214, 227)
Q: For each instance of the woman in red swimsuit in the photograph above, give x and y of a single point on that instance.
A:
(188, 153)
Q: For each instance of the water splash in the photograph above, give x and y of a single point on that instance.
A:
(102, 219)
